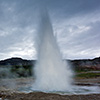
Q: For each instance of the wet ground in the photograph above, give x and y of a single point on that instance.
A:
(13, 89)
(47, 96)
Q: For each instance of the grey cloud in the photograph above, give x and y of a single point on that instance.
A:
(19, 19)
(92, 36)
(71, 8)
(84, 45)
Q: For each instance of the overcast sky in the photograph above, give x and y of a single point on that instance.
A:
(76, 25)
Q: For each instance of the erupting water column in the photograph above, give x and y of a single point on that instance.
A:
(51, 72)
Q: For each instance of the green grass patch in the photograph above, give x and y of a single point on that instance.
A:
(87, 75)
(83, 70)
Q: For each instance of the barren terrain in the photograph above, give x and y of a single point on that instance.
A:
(9, 90)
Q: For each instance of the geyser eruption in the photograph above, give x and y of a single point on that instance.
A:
(51, 72)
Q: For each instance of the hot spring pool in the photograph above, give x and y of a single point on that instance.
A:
(74, 90)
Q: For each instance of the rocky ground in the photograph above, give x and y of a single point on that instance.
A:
(8, 90)
(47, 96)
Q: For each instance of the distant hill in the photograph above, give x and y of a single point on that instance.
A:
(93, 64)
(23, 68)
(16, 67)
(16, 61)
(81, 63)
